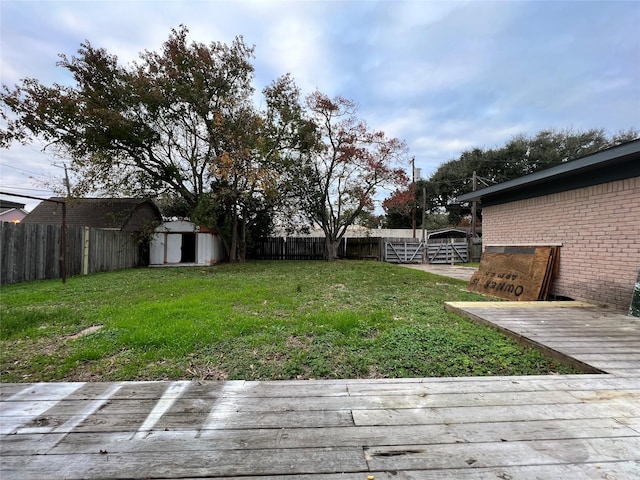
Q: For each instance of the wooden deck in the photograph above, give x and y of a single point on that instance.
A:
(557, 426)
(596, 339)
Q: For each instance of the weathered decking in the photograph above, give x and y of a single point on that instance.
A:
(598, 339)
(573, 426)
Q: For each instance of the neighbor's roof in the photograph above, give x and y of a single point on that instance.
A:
(6, 205)
(107, 213)
(615, 163)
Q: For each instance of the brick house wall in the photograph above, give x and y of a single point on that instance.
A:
(598, 227)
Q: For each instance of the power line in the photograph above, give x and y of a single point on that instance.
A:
(27, 189)
(19, 169)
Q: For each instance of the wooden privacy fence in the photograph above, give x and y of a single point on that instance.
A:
(364, 248)
(313, 248)
(290, 248)
(32, 252)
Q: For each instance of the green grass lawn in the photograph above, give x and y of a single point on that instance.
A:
(258, 321)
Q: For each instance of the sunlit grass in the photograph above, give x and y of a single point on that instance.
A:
(260, 320)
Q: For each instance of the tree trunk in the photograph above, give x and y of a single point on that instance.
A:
(233, 251)
(242, 239)
(331, 245)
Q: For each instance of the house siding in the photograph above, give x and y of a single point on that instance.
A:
(12, 216)
(598, 227)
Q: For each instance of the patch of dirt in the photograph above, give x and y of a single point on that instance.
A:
(205, 372)
(296, 342)
(86, 331)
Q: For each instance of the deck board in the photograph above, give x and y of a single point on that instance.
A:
(525, 427)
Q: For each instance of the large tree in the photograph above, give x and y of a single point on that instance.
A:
(520, 156)
(179, 123)
(338, 179)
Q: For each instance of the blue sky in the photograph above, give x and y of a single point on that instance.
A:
(443, 76)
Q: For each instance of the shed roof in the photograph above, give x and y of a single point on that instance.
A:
(449, 232)
(107, 213)
(615, 163)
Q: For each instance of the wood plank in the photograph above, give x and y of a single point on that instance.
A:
(627, 372)
(588, 471)
(168, 441)
(313, 388)
(613, 364)
(604, 350)
(221, 419)
(13, 412)
(7, 390)
(324, 388)
(198, 410)
(511, 305)
(491, 384)
(633, 423)
(227, 411)
(493, 414)
(184, 463)
(631, 396)
(502, 454)
(608, 344)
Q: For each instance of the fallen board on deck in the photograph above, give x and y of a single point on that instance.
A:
(516, 273)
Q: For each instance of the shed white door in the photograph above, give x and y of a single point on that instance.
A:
(174, 247)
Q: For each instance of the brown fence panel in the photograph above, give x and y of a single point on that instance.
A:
(305, 248)
(32, 252)
(29, 252)
(111, 250)
(74, 250)
(290, 248)
(365, 248)
(271, 248)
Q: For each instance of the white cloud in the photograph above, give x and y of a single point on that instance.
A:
(444, 76)
(295, 44)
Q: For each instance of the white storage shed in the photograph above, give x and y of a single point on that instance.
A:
(181, 242)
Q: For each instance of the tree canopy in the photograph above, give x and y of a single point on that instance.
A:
(520, 156)
(179, 124)
(339, 179)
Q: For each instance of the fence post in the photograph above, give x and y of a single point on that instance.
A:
(85, 250)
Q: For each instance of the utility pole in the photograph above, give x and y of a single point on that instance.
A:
(66, 180)
(413, 191)
(424, 212)
(474, 206)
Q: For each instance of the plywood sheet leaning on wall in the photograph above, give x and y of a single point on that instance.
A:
(516, 273)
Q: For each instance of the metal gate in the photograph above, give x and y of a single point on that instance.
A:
(457, 252)
(404, 252)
